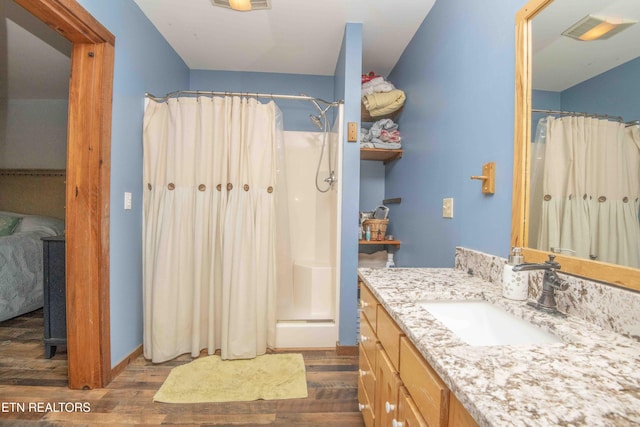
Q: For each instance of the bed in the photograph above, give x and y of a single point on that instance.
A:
(39, 197)
(21, 287)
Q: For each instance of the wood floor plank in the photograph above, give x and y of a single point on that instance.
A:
(26, 376)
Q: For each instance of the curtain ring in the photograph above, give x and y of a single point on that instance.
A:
(202, 187)
(171, 186)
(602, 199)
(229, 186)
(219, 187)
(547, 197)
(246, 187)
(625, 199)
(270, 189)
(149, 186)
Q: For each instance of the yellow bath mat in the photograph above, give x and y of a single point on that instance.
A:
(211, 379)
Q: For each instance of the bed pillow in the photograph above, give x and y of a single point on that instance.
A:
(49, 225)
(8, 224)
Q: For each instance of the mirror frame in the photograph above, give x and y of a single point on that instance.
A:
(622, 276)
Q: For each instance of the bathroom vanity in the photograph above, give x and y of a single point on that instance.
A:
(416, 371)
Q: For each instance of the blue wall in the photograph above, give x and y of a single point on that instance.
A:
(144, 62)
(295, 113)
(458, 74)
(616, 93)
(347, 86)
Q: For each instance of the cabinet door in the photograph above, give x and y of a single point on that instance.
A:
(389, 336)
(426, 388)
(408, 413)
(387, 386)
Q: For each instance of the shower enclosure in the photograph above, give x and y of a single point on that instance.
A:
(308, 258)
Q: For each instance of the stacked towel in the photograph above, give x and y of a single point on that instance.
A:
(377, 84)
(382, 103)
(383, 134)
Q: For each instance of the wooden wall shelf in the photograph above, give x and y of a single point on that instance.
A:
(379, 242)
(380, 154)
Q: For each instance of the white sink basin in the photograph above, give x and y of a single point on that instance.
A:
(483, 324)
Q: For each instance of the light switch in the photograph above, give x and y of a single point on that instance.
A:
(447, 208)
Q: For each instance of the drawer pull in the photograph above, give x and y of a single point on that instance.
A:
(364, 338)
(363, 373)
(363, 304)
(395, 423)
(362, 407)
(389, 407)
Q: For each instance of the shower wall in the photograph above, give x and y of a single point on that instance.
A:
(310, 295)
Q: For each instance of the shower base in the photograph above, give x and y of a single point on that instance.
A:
(306, 334)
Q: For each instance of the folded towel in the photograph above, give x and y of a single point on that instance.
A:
(388, 145)
(381, 103)
(368, 89)
(365, 135)
(390, 136)
(374, 81)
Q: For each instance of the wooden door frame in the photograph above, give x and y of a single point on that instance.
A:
(87, 188)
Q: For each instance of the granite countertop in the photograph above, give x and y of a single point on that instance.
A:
(591, 378)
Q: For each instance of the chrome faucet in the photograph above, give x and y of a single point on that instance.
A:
(550, 282)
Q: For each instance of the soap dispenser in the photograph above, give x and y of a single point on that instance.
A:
(515, 284)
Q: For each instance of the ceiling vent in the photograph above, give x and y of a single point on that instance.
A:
(255, 4)
(593, 27)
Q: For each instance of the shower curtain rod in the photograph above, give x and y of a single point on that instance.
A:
(574, 113)
(256, 94)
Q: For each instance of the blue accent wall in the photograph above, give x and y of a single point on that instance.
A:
(458, 74)
(347, 86)
(615, 92)
(295, 113)
(144, 62)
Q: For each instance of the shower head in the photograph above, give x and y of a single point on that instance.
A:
(316, 120)
(314, 102)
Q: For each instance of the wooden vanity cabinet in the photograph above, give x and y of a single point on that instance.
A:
(396, 385)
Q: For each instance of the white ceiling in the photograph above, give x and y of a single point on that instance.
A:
(304, 37)
(294, 36)
(560, 62)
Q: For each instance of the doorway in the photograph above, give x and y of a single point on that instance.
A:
(87, 188)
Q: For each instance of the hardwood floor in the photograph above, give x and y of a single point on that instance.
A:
(28, 382)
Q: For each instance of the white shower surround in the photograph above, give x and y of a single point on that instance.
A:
(308, 308)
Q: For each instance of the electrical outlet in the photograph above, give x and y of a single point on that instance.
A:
(447, 208)
(127, 201)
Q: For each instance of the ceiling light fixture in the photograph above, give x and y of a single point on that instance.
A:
(241, 5)
(593, 27)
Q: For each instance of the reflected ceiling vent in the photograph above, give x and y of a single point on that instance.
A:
(243, 5)
(593, 27)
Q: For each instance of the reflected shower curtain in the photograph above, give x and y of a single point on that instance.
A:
(589, 203)
(209, 226)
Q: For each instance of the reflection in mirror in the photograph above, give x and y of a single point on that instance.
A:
(585, 182)
(577, 152)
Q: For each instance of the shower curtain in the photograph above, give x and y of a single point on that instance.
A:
(209, 226)
(589, 202)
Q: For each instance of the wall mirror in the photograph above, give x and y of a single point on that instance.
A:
(550, 76)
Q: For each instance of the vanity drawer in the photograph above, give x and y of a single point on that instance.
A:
(368, 305)
(427, 390)
(368, 340)
(367, 376)
(389, 335)
(365, 405)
